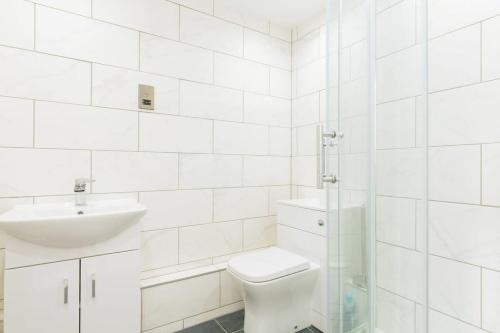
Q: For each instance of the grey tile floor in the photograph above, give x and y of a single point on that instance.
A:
(230, 323)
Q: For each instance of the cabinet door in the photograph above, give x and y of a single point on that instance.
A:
(110, 293)
(43, 298)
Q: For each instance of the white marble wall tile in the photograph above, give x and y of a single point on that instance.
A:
(259, 232)
(206, 6)
(305, 110)
(175, 301)
(55, 173)
(396, 221)
(399, 172)
(280, 83)
(490, 164)
(465, 115)
(312, 77)
(17, 24)
(396, 28)
(241, 74)
(210, 240)
(455, 59)
(279, 141)
(455, 174)
(69, 126)
(396, 124)
(384, 4)
(266, 170)
(439, 323)
(455, 289)
(306, 140)
(227, 10)
(304, 170)
(207, 101)
(40, 76)
(490, 49)
(267, 110)
(280, 31)
(230, 291)
(244, 138)
(210, 32)
(171, 58)
(16, 122)
(267, 49)
(395, 314)
(82, 38)
(210, 171)
(398, 271)
(133, 171)
(82, 7)
(399, 75)
(467, 233)
(170, 209)
(118, 88)
(306, 50)
(165, 133)
(490, 300)
(159, 248)
(240, 203)
(445, 16)
(156, 17)
(277, 193)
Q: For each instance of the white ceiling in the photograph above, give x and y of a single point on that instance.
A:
(288, 13)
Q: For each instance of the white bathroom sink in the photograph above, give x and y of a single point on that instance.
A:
(65, 225)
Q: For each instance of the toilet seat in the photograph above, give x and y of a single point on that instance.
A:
(266, 265)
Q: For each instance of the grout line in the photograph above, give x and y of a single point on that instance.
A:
(481, 202)
(34, 123)
(34, 26)
(481, 51)
(217, 322)
(481, 318)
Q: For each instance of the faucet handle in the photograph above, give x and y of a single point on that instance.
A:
(81, 184)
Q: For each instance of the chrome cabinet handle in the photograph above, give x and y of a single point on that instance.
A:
(66, 291)
(93, 285)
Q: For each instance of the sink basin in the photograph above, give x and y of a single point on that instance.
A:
(65, 225)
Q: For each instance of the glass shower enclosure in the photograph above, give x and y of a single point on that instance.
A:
(376, 147)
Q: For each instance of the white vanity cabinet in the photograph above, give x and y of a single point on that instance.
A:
(110, 296)
(97, 294)
(43, 298)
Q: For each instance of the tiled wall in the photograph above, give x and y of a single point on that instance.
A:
(209, 162)
(308, 102)
(464, 266)
(169, 307)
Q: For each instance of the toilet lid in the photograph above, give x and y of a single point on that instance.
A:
(267, 265)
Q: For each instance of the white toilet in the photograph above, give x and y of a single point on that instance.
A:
(277, 288)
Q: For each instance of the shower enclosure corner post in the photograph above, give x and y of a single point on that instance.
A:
(371, 238)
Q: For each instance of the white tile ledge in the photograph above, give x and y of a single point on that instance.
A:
(183, 275)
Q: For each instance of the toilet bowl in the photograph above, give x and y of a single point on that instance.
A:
(277, 288)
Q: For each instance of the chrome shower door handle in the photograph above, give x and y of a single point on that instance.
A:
(93, 285)
(320, 150)
(321, 145)
(66, 284)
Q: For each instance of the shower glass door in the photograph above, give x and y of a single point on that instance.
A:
(376, 103)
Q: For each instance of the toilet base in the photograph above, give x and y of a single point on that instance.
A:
(282, 305)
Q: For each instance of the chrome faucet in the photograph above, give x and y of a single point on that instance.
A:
(80, 191)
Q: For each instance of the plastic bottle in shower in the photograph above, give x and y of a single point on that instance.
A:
(349, 312)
